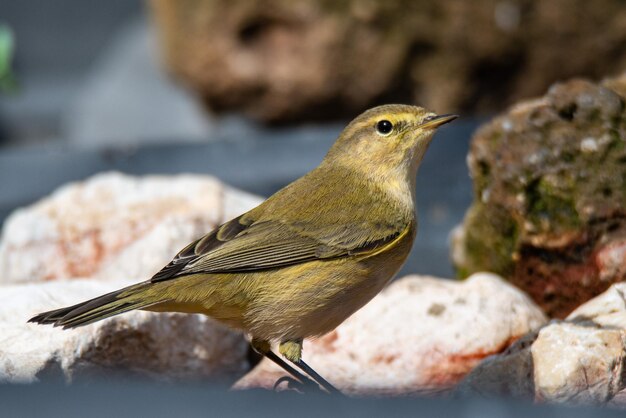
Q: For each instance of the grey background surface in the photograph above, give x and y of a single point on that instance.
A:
(125, 399)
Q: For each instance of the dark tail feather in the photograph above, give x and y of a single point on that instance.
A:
(93, 310)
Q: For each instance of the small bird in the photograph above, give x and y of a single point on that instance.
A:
(307, 258)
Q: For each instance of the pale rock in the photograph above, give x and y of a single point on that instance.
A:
(607, 310)
(114, 226)
(170, 347)
(578, 364)
(581, 360)
(421, 334)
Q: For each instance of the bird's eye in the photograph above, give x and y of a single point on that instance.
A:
(384, 127)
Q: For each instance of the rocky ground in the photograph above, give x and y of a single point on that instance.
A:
(167, 347)
(452, 327)
(421, 336)
(89, 238)
(95, 236)
(549, 178)
(579, 360)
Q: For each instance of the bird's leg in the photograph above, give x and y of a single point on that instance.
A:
(292, 351)
(265, 349)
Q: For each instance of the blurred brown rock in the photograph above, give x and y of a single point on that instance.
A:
(280, 60)
(166, 347)
(114, 226)
(420, 335)
(581, 360)
(549, 211)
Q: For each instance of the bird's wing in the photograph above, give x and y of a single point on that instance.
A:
(242, 245)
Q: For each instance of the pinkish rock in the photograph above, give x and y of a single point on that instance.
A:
(611, 260)
(607, 310)
(421, 334)
(619, 400)
(114, 226)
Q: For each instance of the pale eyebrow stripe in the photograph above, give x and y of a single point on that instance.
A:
(371, 121)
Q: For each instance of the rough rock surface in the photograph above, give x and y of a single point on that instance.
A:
(421, 334)
(509, 374)
(114, 226)
(281, 60)
(141, 344)
(574, 363)
(549, 211)
(581, 360)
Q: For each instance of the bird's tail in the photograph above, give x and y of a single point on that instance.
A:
(105, 306)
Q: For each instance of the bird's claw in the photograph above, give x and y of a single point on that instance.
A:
(292, 384)
(296, 385)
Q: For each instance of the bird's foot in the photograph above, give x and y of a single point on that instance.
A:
(294, 384)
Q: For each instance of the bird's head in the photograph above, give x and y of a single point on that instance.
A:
(387, 139)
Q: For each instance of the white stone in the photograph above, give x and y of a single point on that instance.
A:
(607, 310)
(588, 145)
(507, 15)
(114, 226)
(420, 334)
(507, 125)
(161, 346)
(578, 364)
(581, 360)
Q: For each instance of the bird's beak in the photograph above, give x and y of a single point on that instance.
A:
(434, 122)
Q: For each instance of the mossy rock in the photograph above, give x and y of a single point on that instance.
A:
(549, 209)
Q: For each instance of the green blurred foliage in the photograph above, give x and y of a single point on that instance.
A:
(7, 46)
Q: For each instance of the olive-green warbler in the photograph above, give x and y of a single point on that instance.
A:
(308, 257)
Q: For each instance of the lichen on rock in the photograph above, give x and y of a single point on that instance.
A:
(549, 209)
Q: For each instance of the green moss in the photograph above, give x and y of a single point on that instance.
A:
(462, 272)
(566, 191)
(551, 208)
(491, 239)
(7, 45)
(617, 144)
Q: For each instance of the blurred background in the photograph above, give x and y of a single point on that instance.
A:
(255, 92)
(88, 73)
